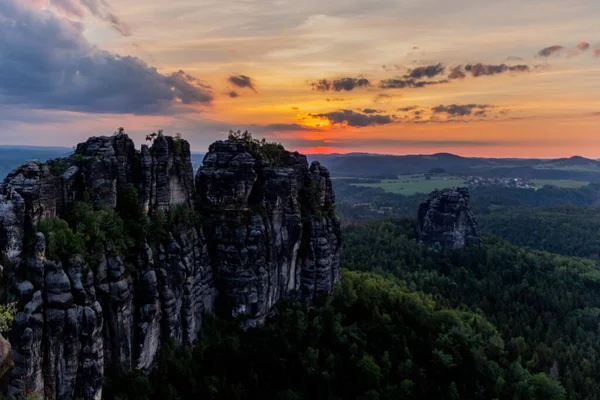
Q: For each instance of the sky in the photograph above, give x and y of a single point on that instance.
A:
(475, 78)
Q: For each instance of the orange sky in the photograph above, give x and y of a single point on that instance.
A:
(259, 63)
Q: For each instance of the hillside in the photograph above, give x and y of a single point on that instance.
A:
(379, 165)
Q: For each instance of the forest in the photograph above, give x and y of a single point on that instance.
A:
(496, 321)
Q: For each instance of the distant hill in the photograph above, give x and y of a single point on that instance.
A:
(379, 165)
(13, 156)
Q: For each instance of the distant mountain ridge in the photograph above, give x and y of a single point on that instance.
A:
(378, 165)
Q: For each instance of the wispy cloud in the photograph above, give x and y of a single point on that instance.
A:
(341, 84)
(101, 9)
(354, 119)
(242, 81)
(550, 50)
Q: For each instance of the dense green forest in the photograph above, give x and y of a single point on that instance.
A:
(496, 321)
(567, 230)
(546, 302)
(374, 339)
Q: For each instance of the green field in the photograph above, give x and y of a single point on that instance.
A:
(411, 184)
(560, 183)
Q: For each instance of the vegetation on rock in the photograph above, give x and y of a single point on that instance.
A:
(272, 152)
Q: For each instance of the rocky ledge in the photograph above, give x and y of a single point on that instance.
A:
(257, 228)
(445, 220)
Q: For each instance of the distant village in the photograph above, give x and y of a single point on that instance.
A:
(479, 181)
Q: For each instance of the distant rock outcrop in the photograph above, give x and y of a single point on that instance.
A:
(266, 231)
(445, 220)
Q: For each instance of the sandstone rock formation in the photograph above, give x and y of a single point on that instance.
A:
(6, 362)
(445, 220)
(266, 231)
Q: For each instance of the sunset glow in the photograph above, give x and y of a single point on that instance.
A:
(494, 79)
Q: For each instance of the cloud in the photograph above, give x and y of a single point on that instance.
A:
(101, 9)
(355, 119)
(428, 71)
(371, 111)
(98, 8)
(596, 52)
(514, 58)
(347, 84)
(233, 94)
(242, 81)
(335, 99)
(548, 51)
(456, 73)
(384, 98)
(407, 109)
(49, 64)
(480, 69)
(401, 83)
(461, 110)
(583, 46)
(288, 127)
(394, 67)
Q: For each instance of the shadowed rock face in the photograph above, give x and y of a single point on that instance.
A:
(272, 230)
(445, 220)
(267, 232)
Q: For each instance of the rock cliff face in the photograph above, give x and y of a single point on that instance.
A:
(263, 231)
(445, 220)
(272, 228)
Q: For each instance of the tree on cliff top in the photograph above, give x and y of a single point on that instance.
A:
(273, 152)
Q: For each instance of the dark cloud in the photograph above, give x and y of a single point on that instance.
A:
(371, 111)
(337, 85)
(384, 98)
(356, 119)
(47, 63)
(242, 81)
(480, 69)
(295, 108)
(456, 72)
(583, 46)
(233, 94)
(461, 109)
(394, 67)
(548, 51)
(407, 109)
(288, 127)
(514, 58)
(401, 83)
(336, 99)
(428, 71)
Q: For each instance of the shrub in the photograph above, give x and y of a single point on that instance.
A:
(61, 241)
(272, 152)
